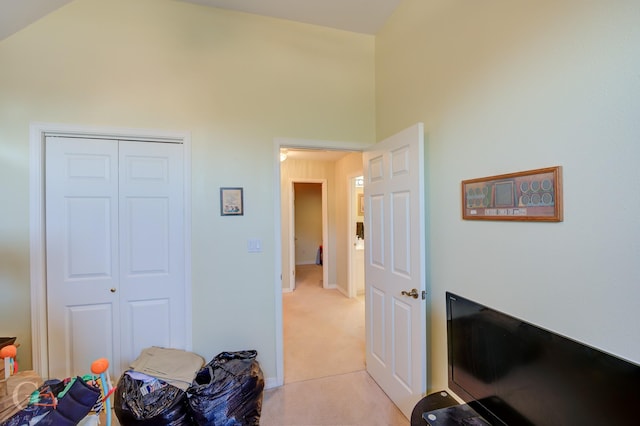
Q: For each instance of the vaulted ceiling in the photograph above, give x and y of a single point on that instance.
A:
(361, 16)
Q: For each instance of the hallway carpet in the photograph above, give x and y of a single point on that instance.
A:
(323, 329)
(324, 356)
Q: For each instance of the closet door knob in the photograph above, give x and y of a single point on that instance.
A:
(113, 290)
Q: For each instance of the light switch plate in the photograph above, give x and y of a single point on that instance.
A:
(254, 246)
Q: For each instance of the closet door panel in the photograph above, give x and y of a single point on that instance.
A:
(152, 246)
(142, 314)
(82, 253)
(115, 251)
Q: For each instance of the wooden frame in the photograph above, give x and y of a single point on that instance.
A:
(231, 202)
(533, 195)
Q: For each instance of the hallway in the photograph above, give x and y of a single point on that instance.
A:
(323, 329)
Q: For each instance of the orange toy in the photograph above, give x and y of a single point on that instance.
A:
(8, 353)
(99, 366)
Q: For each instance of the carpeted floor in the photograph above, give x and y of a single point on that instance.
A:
(323, 329)
(324, 372)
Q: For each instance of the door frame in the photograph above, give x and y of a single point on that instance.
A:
(351, 193)
(292, 236)
(293, 143)
(38, 283)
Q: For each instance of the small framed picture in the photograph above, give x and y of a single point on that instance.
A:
(231, 202)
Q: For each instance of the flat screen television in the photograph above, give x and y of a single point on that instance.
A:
(515, 373)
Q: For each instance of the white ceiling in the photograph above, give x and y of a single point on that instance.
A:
(17, 14)
(361, 16)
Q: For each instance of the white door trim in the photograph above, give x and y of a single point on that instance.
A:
(277, 228)
(351, 194)
(37, 135)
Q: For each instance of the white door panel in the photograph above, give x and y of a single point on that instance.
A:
(88, 228)
(115, 251)
(152, 247)
(89, 328)
(401, 324)
(376, 319)
(401, 232)
(377, 235)
(141, 315)
(395, 259)
(82, 261)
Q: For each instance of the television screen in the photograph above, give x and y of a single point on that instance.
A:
(515, 373)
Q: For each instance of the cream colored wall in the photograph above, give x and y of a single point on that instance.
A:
(234, 81)
(346, 168)
(509, 86)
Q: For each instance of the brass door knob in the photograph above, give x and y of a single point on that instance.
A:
(413, 293)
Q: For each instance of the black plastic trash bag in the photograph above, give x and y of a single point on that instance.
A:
(228, 391)
(164, 406)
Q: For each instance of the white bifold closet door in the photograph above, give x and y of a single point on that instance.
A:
(114, 251)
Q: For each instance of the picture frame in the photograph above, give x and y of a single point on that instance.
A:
(532, 195)
(231, 202)
(361, 204)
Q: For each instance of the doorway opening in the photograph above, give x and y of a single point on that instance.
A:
(308, 228)
(338, 316)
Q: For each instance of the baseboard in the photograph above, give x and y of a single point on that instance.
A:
(270, 383)
(341, 290)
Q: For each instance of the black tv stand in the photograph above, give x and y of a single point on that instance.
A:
(441, 409)
(431, 402)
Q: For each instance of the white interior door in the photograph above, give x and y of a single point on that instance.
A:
(114, 252)
(395, 263)
(82, 254)
(151, 247)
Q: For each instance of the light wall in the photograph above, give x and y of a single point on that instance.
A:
(506, 86)
(234, 81)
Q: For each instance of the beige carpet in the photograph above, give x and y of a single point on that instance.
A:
(323, 329)
(352, 399)
(324, 372)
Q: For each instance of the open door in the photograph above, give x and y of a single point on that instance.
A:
(395, 306)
